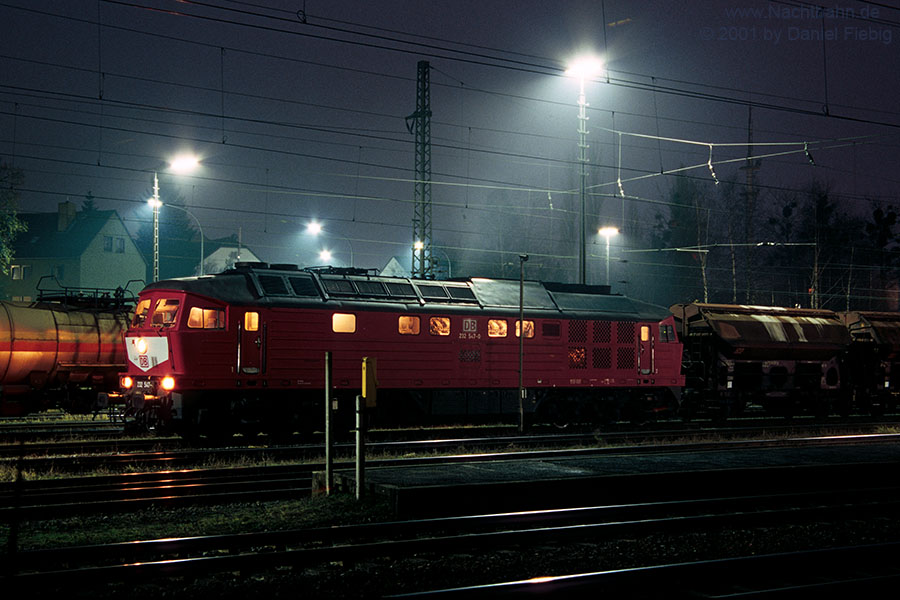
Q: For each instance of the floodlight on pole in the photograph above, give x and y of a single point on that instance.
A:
(183, 163)
(607, 232)
(314, 228)
(581, 69)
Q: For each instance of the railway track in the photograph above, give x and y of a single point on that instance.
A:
(51, 498)
(68, 456)
(372, 547)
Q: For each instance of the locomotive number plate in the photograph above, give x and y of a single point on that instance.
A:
(469, 330)
(143, 385)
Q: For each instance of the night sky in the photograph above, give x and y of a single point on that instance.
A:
(297, 109)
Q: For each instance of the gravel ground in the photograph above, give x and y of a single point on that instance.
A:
(388, 575)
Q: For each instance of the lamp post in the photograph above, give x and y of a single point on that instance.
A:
(584, 68)
(608, 232)
(183, 163)
(523, 258)
(419, 247)
(155, 203)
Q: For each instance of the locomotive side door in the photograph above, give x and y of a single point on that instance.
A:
(251, 344)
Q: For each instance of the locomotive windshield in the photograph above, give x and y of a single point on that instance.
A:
(164, 313)
(141, 312)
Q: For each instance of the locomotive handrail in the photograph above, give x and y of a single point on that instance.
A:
(81, 297)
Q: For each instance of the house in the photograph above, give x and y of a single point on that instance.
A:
(222, 253)
(76, 249)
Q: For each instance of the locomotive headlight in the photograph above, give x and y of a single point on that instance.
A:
(141, 346)
(126, 382)
(168, 383)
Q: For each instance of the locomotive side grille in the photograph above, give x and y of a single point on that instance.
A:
(403, 290)
(602, 358)
(625, 358)
(470, 356)
(303, 286)
(338, 286)
(625, 332)
(461, 293)
(371, 288)
(577, 331)
(577, 357)
(432, 292)
(602, 332)
(273, 285)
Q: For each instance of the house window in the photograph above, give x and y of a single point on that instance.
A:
(120, 245)
(107, 243)
(20, 272)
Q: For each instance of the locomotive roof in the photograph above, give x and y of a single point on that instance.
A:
(287, 285)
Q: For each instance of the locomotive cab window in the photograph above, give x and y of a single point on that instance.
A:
(439, 325)
(206, 318)
(141, 312)
(645, 333)
(529, 329)
(343, 323)
(496, 328)
(251, 321)
(408, 325)
(165, 313)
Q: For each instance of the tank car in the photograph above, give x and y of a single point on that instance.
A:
(872, 364)
(244, 350)
(783, 359)
(62, 350)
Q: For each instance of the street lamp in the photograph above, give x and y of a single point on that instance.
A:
(583, 68)
(419, 247)
(608, 232)
(183, 163)
(314, 228)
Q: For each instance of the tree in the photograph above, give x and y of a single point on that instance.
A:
(685, 227)
(10, 224)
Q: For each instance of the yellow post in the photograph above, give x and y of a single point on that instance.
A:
(369, 381)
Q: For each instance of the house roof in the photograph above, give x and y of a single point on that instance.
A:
(44, 240)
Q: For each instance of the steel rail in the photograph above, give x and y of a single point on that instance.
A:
(154, 559)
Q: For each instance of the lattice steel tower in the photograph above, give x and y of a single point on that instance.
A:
(420, 123)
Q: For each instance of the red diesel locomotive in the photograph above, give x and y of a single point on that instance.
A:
(244, 350)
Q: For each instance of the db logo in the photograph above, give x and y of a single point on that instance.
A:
(143, 362)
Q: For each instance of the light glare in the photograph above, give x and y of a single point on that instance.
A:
(585, 68)
(184, 163)
(608, 232)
